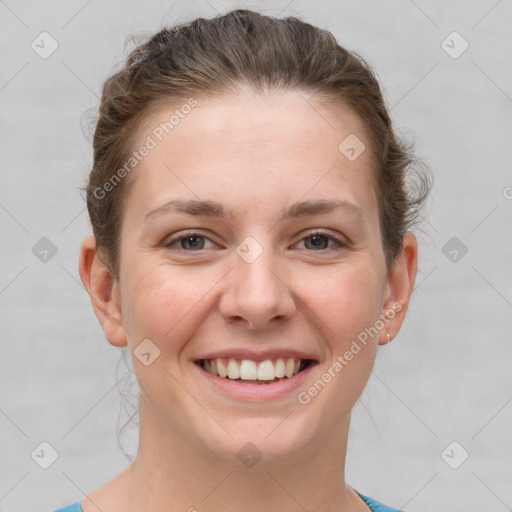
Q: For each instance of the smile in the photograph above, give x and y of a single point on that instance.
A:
(254, 372)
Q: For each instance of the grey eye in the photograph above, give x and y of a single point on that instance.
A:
(317, 242)
(193, 241)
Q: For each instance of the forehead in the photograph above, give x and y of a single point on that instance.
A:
(251, 148)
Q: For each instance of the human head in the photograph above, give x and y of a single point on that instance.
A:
(226, 67)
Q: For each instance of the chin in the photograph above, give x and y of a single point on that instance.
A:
(258, 443)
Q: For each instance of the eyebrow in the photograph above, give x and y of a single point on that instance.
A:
(296, 210)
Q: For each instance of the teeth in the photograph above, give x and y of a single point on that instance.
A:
(280, 368)
(247, 369)
(290, 366)
(233, 369)
(266, 370)
(221, 367)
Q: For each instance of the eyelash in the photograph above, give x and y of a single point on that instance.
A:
(340, 245)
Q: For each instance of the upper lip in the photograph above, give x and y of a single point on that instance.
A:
(262, 355)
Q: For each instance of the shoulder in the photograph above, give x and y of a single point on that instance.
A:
(74, 507)
(377, 506)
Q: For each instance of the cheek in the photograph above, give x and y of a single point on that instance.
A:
(345, 302)
(347, 298)
(164, 302)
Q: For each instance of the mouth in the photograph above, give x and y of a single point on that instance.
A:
(248, 371)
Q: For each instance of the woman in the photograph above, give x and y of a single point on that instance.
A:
(252, 248)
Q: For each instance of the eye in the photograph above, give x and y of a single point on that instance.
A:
(191, 242)
(194, 242)
(319, 241)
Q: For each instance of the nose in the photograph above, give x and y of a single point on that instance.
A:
(257, 293)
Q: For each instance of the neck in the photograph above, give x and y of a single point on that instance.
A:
(170, 471)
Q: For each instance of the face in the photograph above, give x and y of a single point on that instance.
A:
(248, 236)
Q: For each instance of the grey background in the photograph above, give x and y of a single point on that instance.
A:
(446, 377)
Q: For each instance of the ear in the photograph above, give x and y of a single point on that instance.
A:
(398, 289)
(103, 289)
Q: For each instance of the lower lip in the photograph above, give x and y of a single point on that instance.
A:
(236, 389)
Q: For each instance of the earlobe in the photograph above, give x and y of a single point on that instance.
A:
(103, 291)
(400, 284)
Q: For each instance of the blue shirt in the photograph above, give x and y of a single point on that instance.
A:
(375, 506)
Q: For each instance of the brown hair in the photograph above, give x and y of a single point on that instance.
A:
(208, 57)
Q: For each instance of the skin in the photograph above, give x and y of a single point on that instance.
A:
(257, 155)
